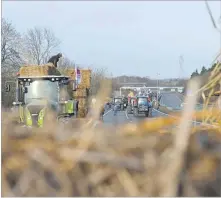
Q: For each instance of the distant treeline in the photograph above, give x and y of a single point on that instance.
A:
(203, 76)
(203, 70)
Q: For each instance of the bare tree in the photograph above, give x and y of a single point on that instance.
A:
(10, 47)
(39, 45)
(98, 76)
(11, 59)
(66, 63)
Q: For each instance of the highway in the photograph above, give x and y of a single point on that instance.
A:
(171, 99)
(123, 117)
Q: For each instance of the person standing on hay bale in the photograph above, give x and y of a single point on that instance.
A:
(54, 59)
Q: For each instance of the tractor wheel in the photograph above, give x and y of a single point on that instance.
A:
(150, 112)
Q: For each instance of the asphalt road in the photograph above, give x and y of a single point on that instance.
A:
(123, 117)
(171, 99)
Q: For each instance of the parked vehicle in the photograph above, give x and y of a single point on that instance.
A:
(118, 101)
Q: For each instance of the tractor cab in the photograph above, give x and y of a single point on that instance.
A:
(53, 89)
(36, 94)
(118, 102)
(142, 104)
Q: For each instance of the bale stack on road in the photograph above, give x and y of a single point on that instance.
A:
(81, 94)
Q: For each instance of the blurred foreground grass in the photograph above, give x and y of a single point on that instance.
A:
(87, 161)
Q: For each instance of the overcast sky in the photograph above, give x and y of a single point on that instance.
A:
(128, 37)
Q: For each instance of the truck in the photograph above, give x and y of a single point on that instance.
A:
(121, 102)
(118, 101)
(40, 88)
(142, 105)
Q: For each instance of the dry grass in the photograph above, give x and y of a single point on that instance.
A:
(157, 157)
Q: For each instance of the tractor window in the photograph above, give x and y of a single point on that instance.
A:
(20, 94)
(142, 101)
(63, 94)
(42, 89)
(117, 100)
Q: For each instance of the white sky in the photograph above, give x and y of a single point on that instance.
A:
(128, 37)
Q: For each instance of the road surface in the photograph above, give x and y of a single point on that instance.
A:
(171, 99)
(123, 117)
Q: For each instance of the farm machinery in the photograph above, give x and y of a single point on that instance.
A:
(42, 88)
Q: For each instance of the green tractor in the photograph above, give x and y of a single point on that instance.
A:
(36, 95)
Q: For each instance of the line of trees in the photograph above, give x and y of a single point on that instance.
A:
(203, 71)
(203, 76)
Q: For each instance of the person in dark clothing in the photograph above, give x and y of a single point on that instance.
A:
(76, 107)
(77, 102)
(55, 59)
(159, 98)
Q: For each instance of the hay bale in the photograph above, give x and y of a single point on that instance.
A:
(80, 93)
(82, 112)
(85, 77)
(82, 107)
(39, 70)
(82, 102)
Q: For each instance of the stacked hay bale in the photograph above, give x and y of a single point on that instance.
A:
(39, 70)
(81, 94)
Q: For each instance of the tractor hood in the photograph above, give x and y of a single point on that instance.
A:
(36, 106)
(35, 111)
